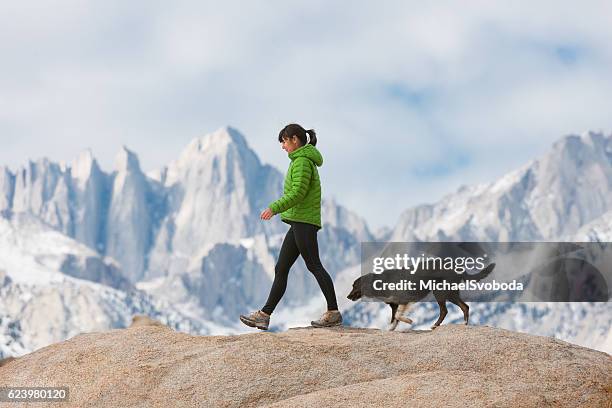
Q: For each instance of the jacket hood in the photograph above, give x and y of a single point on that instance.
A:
(308, 151)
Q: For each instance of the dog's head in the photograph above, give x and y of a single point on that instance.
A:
(356, 291)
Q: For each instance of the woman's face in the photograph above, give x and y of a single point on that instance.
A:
(290, 144)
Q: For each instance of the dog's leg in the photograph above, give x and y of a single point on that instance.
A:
(393, 310)
(466, 311)
(400, 313)
(443, 312)
(394, 321)
(463, 306)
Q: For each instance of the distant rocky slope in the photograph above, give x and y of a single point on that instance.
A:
(472, 366)
(550, 197)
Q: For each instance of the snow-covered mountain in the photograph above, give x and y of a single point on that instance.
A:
(83, 249)
(546, 199)
(52, 287)
(598, 230)
(158, 224)
(565, 195)
(32, 252)
(189, 234)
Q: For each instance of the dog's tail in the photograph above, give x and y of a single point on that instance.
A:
(480, 275)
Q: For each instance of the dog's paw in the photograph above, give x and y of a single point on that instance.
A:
(434, 327)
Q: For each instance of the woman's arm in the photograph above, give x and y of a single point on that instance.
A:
(301, 174)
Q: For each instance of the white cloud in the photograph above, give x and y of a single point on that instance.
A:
(486, 78)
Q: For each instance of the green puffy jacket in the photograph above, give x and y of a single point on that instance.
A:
(301, 200)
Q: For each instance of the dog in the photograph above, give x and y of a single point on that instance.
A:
(402, 301)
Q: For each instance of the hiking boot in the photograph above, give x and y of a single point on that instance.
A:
(329, 319)
(256, 319)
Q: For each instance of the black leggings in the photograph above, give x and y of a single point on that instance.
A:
(301, 239)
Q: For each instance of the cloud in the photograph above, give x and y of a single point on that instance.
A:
(412, 99)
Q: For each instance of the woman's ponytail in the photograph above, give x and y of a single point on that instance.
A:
(313, 137)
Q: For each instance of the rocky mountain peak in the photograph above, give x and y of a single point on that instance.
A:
(126, 161)
(216, 142)
(84, 166)
(225, 145)
(580, 148)
(548, 197)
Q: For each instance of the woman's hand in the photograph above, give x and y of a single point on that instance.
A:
(266, 214)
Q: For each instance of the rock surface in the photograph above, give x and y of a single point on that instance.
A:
(142, 320)
(459, 365)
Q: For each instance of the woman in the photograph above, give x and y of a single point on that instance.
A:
(300, 207)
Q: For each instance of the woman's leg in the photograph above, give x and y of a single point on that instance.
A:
(286, 258)
(306, 240)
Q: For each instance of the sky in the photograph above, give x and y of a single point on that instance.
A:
(410, 99)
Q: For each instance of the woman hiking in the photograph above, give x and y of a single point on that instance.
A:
(300, 207)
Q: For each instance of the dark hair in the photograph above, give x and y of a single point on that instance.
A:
(295, 129)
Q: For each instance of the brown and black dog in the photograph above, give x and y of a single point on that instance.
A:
(400, 304)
